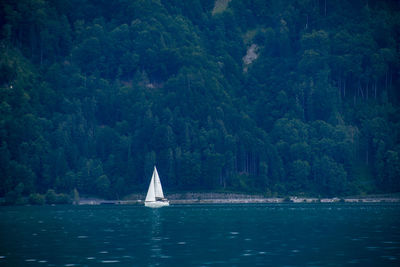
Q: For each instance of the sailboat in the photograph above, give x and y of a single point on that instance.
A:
(155, 196)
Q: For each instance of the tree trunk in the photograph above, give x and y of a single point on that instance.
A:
(307, 23)
(41, 56)
(386, 80)
(31, 40)
(235, 165)
(303, 106)
(360, 92)
(41, 51)
(344, 88)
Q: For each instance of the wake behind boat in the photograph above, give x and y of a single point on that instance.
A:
(155, 196)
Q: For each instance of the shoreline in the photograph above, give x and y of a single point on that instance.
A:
(187, 198)
(235, 198)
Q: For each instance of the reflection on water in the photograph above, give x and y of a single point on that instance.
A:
(201, 235)
(155, 236)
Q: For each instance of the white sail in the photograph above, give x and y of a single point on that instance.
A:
(157, 184)
(151, 193)
(155, 196)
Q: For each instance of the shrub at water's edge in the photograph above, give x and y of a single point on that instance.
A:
(51, 197)
(36, 199)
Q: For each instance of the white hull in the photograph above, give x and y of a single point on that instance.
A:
(156, 204)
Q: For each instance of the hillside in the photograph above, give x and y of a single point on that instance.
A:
(288, 97)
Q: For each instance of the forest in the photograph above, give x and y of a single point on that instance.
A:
(291, 97)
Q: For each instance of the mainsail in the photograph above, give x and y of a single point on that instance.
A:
(157, 185)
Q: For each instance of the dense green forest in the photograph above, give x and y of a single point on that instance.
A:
(274, 97)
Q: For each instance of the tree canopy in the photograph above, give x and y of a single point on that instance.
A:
(94, 93)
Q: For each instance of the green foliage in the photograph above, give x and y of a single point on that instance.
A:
(36, 199)
(103, 185)
(52, 197)
(330, 176)
(15, 196)
(63, 199)
(93, 95)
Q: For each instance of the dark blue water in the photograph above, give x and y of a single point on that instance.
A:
(201, 235)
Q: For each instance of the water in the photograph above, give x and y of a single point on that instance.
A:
(201, 235)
